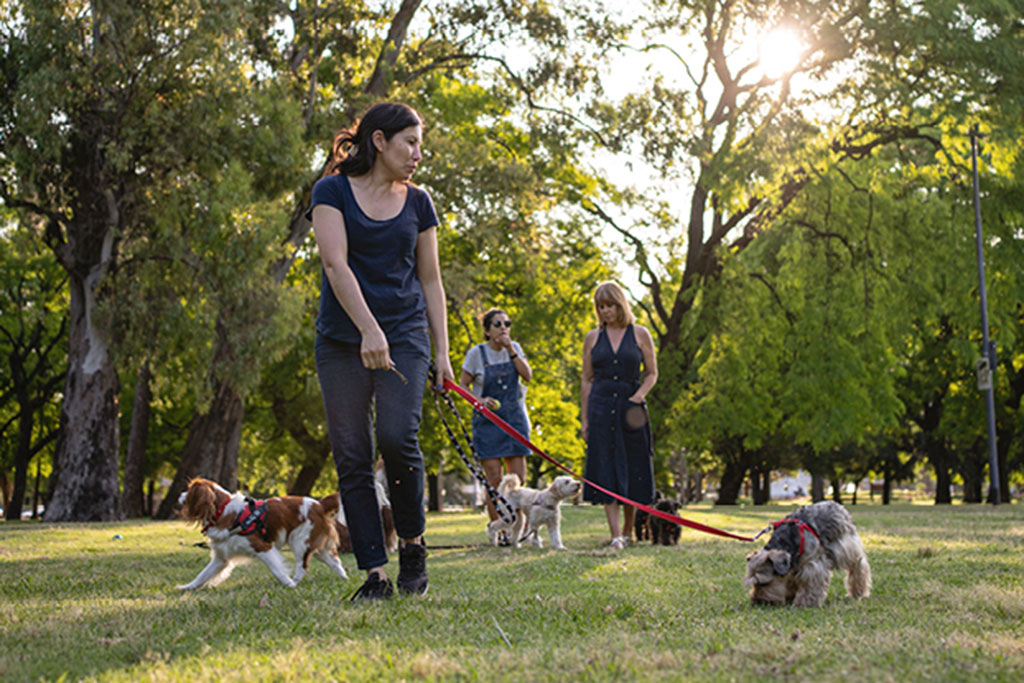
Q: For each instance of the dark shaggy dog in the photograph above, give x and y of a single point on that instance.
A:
(664, 532)
(640, 521)
(797, 563)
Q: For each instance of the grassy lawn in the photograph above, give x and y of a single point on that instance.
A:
(948, 604)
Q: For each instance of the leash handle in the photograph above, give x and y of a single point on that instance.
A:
(511, 431)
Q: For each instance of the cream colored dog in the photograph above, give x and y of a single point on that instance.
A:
(538, 506)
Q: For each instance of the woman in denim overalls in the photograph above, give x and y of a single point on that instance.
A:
(495, 370)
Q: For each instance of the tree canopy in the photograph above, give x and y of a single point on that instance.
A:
(794, 221)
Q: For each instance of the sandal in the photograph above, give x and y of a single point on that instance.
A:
(616, 543)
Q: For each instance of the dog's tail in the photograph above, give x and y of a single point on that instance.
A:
(331, 505)
(325, 529)
(858, 579)
(386, 517)
(509, 482)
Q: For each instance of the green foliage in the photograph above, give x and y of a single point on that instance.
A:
(33, 334)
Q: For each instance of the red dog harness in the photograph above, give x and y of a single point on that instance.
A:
(254, 521)
(799, 525)
(251, 520)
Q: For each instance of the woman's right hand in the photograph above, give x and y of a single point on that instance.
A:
(491, 403)
(374, 350)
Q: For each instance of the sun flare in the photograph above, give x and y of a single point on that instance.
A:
(780, 52)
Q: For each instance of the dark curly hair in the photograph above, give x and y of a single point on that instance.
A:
(353, 152)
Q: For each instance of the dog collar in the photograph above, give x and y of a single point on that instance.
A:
(799, 525)
(220, 511)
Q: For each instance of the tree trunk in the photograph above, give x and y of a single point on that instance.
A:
(972, 471)
(938, 456)
(837, 490)
(760, 485)
(6, 492)
(35, 488)
(308, 474)
(943, 482)
(732, 480)
(433, 492)
(211, 449)
(135, 458)
(22, 458)
(84, 485)
(817, 488)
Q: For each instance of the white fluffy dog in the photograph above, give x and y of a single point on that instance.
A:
(538, 506)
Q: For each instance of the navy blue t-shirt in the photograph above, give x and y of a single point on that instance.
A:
(382, 256)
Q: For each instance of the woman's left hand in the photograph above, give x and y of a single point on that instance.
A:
(635, 399)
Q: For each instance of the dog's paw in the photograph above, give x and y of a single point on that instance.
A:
(185, 587)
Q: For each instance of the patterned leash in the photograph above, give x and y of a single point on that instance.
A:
(501, 504)
(511, 431)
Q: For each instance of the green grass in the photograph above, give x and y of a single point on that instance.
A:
(948, 604)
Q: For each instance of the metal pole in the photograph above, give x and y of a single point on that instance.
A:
(988, 349)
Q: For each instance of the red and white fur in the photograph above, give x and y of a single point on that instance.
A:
(333, 507)
(295, 521)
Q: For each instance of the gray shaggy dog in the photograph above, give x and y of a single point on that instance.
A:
(797, 563)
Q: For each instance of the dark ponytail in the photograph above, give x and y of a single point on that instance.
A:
(353, 152)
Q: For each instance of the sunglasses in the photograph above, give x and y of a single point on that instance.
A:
(501, 323)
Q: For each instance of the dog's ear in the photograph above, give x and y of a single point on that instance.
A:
(200, 501)
(780, 563)
(759, 569)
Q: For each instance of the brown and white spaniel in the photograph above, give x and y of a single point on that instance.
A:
(241, 528)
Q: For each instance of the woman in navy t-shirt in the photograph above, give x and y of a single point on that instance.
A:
(381, 294)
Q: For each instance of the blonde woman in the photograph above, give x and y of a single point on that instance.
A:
(619, 369)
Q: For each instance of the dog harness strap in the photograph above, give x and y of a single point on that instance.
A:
(508, 429)
(254, 520)
(801, 526)
(505, 511)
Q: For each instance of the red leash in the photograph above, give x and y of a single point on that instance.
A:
(511, 431)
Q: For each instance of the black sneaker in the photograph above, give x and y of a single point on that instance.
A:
(373, 589)
(412, 569)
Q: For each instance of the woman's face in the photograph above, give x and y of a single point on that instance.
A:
(608, 312)
(402, 153)
(499, 326)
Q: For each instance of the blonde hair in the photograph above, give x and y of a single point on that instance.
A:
(609, 292)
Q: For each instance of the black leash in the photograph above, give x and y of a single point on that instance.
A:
(501, 504)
